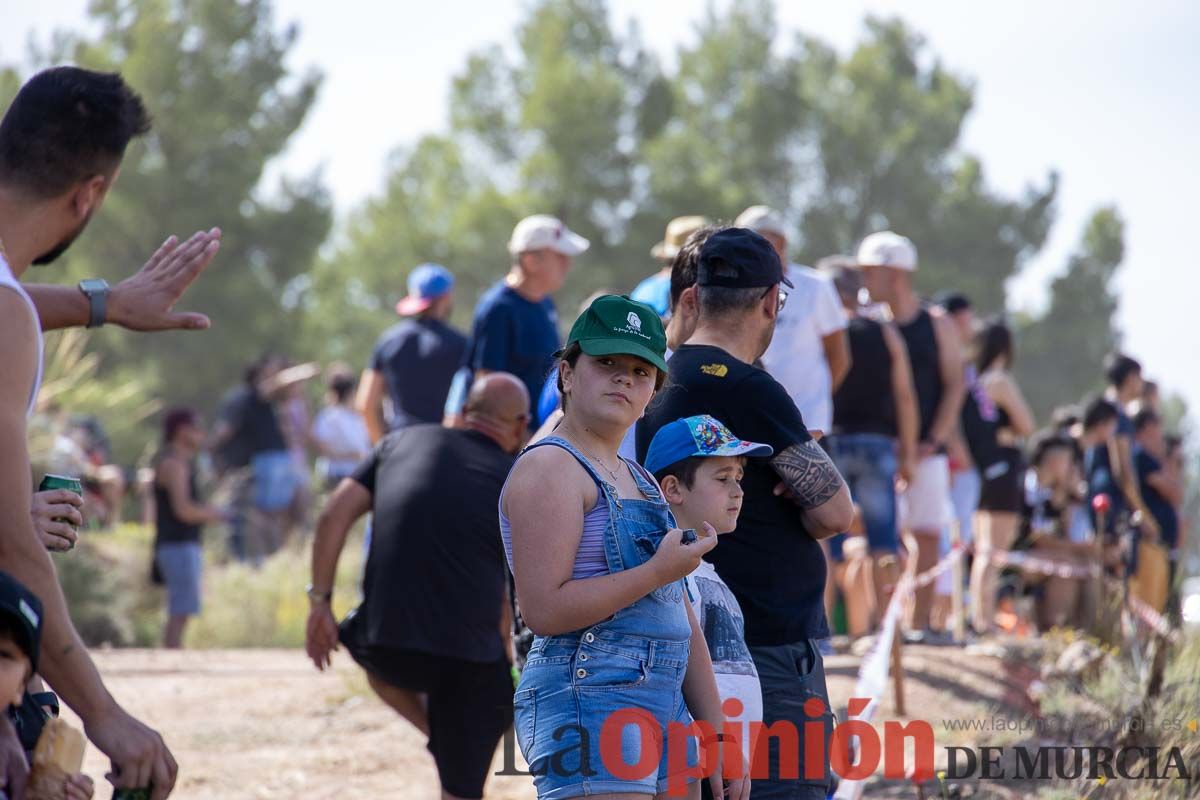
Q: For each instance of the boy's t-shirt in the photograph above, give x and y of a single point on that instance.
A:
(724, 627)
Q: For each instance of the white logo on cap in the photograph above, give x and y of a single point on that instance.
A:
(634, 320)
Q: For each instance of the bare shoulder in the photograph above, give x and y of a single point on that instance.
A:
(547, 474)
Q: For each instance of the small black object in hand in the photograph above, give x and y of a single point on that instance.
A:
(689, 535)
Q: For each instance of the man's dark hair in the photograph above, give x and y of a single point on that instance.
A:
(952, 302)
(66, 125)
(1098, 412)
(717, 301)
(1118, 367)
(342, 385)
(1047, 442)
(683, 265)
(843, 271)
(1144, 419)
(995, 341)
(684, 471)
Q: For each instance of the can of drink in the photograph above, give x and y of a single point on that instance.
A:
(50, 482)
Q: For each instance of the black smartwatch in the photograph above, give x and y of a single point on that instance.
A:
(96, 291)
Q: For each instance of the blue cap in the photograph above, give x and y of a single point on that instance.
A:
(426, 283)
(697, 436)
(739, 258)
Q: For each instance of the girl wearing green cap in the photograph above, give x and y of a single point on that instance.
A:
(598, 564)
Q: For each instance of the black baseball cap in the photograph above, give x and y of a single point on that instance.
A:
(739, 258)
(25, 610)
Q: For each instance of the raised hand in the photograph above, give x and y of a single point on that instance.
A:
(144, 301)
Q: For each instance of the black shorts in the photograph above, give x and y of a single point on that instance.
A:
(470, 706)
(1004, 482)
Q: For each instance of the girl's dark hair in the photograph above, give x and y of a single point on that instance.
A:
(175, 419)
(994, 341)
(571, 354)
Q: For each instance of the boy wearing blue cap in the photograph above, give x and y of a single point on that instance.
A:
(699, 463)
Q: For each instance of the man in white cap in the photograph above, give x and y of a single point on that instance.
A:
(655, 291)
(888, 261)
(810, 354)
(515, 328)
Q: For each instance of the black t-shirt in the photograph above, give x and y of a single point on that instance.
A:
(417, 359)
(434, 581)
(1164, 513)
(775, 569)
(255, 428)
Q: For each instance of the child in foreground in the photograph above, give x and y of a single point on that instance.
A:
(20, 638)
(698, 462)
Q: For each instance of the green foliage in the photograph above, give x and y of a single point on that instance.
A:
(213, 75)
(1061, 352)
(580, 121)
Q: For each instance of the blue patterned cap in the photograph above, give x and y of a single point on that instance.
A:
(697, 436)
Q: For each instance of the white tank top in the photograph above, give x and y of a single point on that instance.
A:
(9, 280)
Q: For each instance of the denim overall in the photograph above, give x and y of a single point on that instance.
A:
(633, 660)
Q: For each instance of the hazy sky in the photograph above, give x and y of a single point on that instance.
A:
(1108, 93)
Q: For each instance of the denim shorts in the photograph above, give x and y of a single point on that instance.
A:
(572, 685)
(275, 480)
(181, 564)
(867, 462)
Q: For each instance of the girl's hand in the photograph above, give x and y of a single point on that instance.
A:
(674, 559)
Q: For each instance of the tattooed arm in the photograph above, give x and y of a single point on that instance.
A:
(816, 486)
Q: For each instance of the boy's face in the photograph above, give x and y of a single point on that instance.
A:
(715, 495)
(14, 671)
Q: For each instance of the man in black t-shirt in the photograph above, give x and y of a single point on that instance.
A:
(772, 562)
(431, 631)
(414, 361)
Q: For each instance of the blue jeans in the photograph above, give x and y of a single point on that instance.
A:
(868, 464)
(275, 480)
(634, 661)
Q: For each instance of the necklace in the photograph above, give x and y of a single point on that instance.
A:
(612, 472)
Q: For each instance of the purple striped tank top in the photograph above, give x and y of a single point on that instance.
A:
(589, 559)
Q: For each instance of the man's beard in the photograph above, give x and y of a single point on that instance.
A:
(53, 253)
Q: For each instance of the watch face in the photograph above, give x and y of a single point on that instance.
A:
(93, 285)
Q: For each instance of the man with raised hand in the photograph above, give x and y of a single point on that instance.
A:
(61, 144)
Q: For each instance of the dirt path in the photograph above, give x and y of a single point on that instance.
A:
(265, 724)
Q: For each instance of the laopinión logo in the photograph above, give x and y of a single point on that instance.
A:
(821, 750)
(853, 750)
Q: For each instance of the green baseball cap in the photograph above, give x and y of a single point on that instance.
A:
(615, 325)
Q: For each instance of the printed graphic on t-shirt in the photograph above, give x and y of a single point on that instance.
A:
(722, 621)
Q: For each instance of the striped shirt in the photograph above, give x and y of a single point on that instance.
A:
(589, 559)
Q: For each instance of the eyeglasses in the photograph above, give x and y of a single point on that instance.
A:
(783, 296)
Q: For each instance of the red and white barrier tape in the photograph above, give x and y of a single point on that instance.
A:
(1154, 620)
(1043, 566)
(875, 668)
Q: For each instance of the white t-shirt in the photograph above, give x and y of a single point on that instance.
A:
(796, 356)
(724, 628)
(8, 279)
(341, 429)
